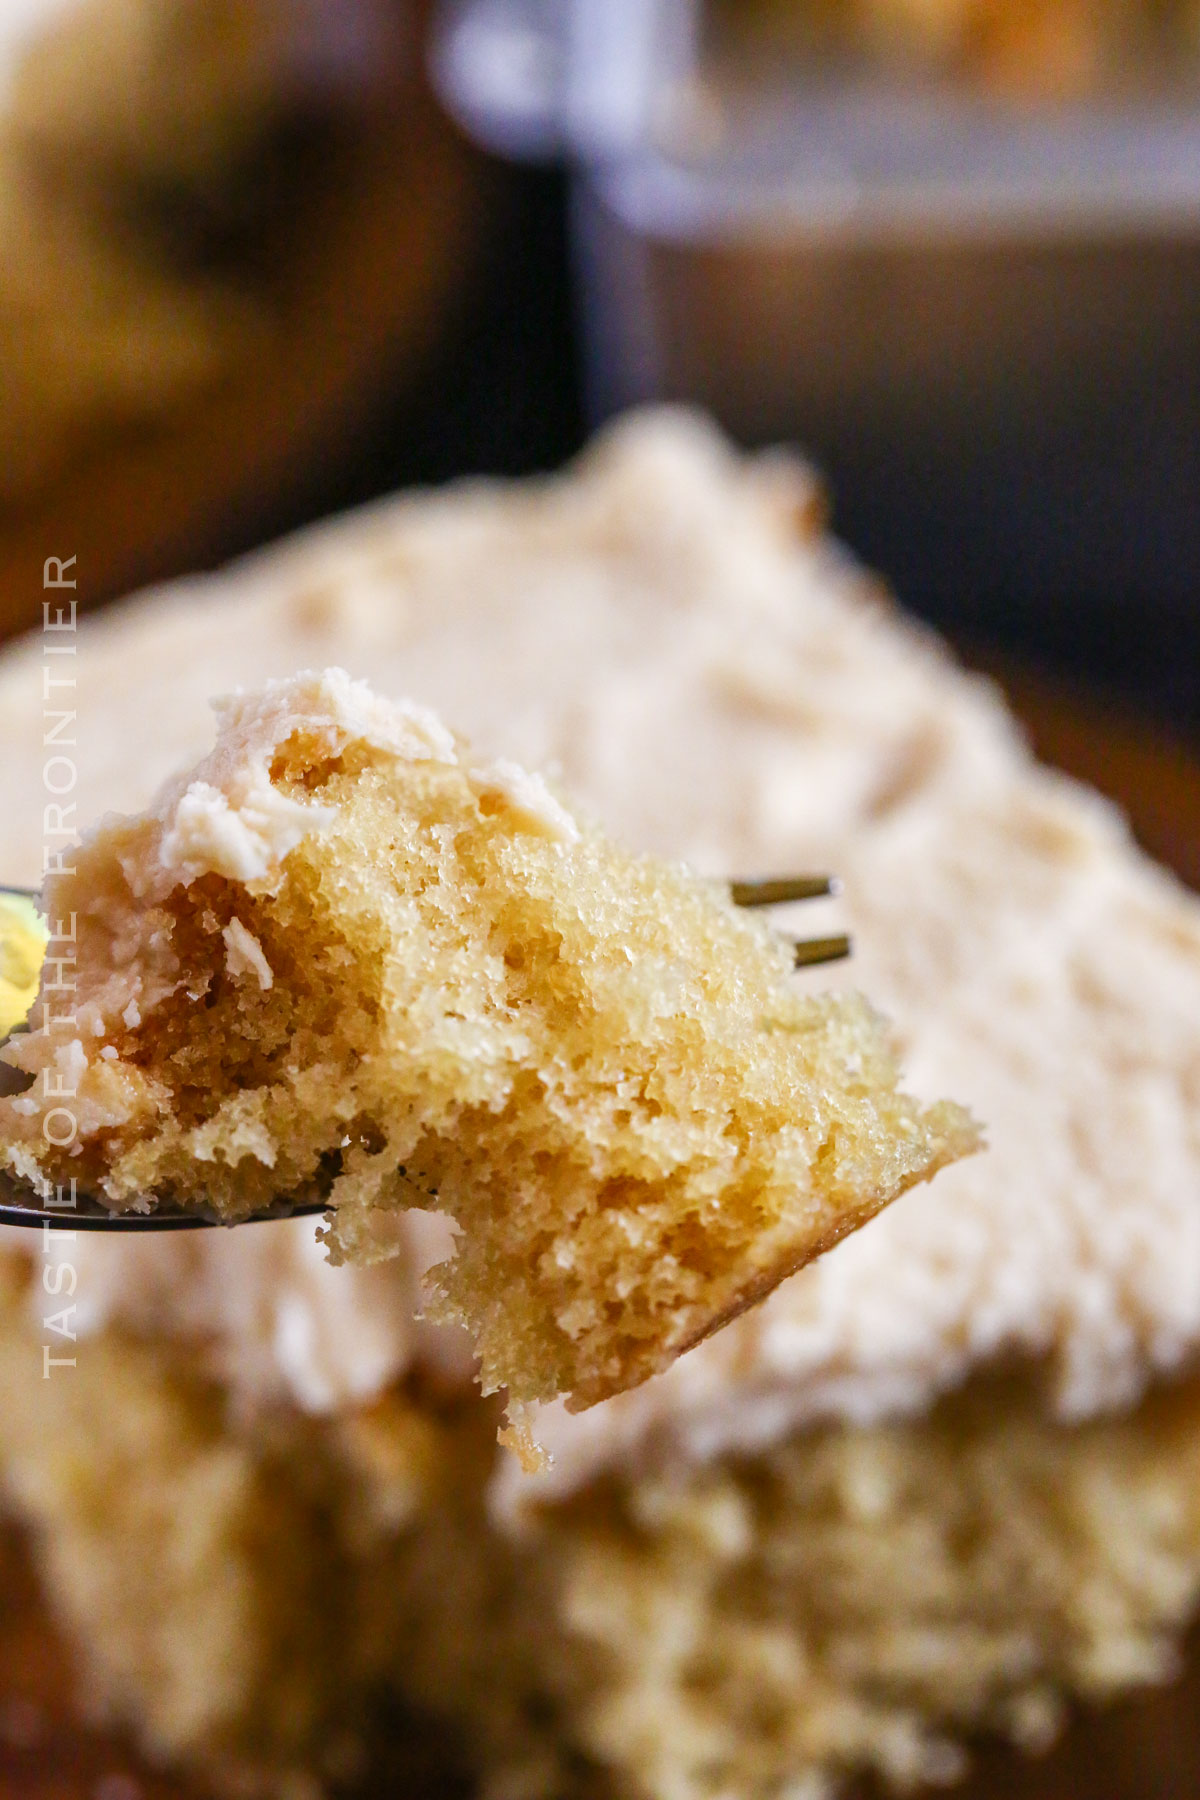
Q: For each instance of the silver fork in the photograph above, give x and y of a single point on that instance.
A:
(84, 1212)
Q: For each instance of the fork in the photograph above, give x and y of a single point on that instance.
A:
(84, 1212)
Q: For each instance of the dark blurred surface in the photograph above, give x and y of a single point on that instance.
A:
(428, 326)
(504, 394)
(497, 393)
(499, 388)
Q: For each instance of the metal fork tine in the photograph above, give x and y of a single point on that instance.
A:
(158, 1220)
(809, 952)
(86, 1213)
(59, 1220)
(776, 890)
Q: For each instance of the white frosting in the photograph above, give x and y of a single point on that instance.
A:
(527, 797)
(231, 816)
(265, 1308)
(226, 817)
(244, 955)
(715, 683)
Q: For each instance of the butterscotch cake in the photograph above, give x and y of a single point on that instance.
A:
(944, 1480)
(343, 957)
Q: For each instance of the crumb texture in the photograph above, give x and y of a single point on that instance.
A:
(850, 1600)
(785, 1557)
(668, 627)
(862, 1598)
(341, 958)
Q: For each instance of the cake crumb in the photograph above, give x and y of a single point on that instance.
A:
(468, 1000)
(518, 1436)
(244, 955)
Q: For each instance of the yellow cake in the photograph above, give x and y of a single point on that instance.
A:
(943, 1480)
(344, 958)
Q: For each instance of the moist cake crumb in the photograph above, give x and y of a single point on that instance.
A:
(341, 960)
(786, 1558)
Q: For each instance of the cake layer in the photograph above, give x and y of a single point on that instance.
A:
(341, 958)
(246, 1594)
(669, 626)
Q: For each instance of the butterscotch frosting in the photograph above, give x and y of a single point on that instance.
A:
(667, 627)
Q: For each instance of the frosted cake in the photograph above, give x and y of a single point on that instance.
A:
(343, 959)
(943, 1480)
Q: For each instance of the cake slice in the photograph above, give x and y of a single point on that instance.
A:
(341, 960)
(943, 1484)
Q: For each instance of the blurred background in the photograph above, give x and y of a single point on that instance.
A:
(263, 259)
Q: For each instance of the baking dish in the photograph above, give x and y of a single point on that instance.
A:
(981, 317)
